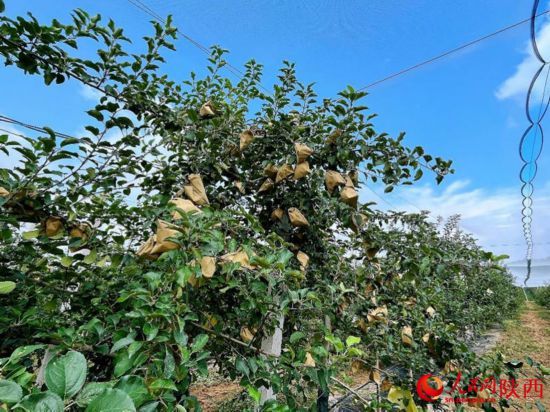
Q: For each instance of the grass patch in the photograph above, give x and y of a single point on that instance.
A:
(544, 314)
(528, 334)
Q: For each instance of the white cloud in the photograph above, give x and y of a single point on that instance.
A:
(491, 216)
(518, 84)
(90, 93)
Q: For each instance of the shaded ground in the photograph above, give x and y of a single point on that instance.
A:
(488, 341)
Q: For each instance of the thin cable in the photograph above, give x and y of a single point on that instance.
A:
(399, 197)
(408, 201)
(452, 51)
(10, 120)
(148, 10)
(380, 197)
(403, 199)
(13, 133)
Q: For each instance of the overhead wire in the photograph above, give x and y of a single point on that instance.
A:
(145, 8)
(403, 199)
(148, 10)
(380, 197)
(451, 51)
(383, 199)
(409, 202)
(29, 126)
(12, 133)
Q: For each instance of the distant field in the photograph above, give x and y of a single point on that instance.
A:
(540, 275)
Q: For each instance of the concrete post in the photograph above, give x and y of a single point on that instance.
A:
(272, 345)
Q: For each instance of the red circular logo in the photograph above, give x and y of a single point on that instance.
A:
(429, 387)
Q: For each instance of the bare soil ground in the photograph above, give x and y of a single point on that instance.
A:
(210, 395)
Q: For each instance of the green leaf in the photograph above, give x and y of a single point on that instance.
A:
(2, 7)
(66, 261)
(31, 234)
(283, 258)
(90, 391)
(124, 122)
(254, 394)
(10, 392)
(90, 257)
(241, 366)
(111, 400)
(23, 351)
(6, 287)
(93, 130)
(123, 364)
(153, 279)
(180, 337)
(163, 384)
(352, 340)
(96, 114)
(149, 407)
(41, 402)
(68, 141)
(135, 387)
(169, 364)
(183, 275)
(199, 342)
(65, 375)
(296, 336)
(134, 348)
(121, 343)
(338, 344)
(150, 331)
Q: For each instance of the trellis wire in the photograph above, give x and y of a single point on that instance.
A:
(6, 119)
(148, 10)
(453, 51)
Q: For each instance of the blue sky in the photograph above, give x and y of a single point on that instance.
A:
(459, 108)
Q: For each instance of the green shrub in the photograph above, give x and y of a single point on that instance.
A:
(542, 296)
